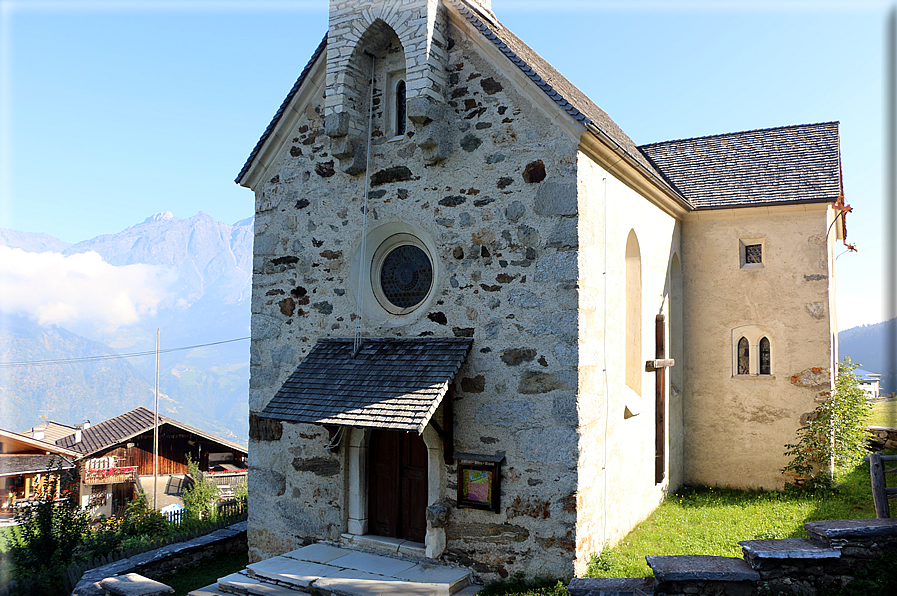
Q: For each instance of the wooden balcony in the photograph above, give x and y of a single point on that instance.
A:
(110, 475)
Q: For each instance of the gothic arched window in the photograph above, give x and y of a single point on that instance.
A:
(765, 360)
(401, 105)
(744, 357)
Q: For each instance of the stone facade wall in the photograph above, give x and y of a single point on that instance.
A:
(729, 419)
(494, 213)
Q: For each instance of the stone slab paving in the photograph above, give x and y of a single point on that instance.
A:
(239, 583)
(327, 569)
(289, 572)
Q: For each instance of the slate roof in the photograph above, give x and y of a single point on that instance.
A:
(392, 383)
(130, 424)
(15, 464)
(790, 164)
(53, 431)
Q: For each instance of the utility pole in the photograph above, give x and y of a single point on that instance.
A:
(156, 427)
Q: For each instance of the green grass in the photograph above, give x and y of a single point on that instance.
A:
(711, 521)
(884, 413)
(206, 573)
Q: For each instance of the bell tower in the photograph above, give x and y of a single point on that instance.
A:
(362, 35)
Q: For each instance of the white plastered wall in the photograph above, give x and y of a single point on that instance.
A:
(737, 426)
(617, 487)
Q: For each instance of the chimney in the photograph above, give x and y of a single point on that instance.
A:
(86, 424)
(38, 434)
(77, 436)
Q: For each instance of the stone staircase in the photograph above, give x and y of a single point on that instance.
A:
(328, 570)
(829, 559)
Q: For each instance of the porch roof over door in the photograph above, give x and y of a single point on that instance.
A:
(391, 383)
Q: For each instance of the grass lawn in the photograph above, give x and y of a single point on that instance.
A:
(711, 521)
(206, 573)
(884, 413)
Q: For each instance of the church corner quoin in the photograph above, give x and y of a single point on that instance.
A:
(487, 327)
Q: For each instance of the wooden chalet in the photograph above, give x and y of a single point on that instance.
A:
(117, 457)
(26, 464)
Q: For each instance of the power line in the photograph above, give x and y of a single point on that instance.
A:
(112, 356)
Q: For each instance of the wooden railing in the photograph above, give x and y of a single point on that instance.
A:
(110, 475)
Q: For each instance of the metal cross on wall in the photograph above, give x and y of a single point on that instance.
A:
(658, 366)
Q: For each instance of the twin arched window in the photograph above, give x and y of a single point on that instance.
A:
(752, 351)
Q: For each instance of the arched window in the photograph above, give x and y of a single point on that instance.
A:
(635, 364)
(744, 357)
(752, 351)
(401, 111)
(765, 359)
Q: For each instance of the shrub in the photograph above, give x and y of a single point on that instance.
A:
(49, 532)
(835, 437)
(200, 498)
(141, 519)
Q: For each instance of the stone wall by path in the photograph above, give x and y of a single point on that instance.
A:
(883, 437)
(163, 561)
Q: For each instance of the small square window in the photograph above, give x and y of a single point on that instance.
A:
(750, 252)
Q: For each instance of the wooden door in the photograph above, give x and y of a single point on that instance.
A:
(397, 485)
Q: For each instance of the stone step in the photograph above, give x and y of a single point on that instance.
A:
(762, 554)
(340, 572)
(611, 586)
(700, 568)
(240, 583)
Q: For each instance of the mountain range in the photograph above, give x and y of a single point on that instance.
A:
(209, 267)
(207, 300)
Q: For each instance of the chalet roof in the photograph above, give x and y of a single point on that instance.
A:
(53, 431)
(22, 443)
(128, 425)
(16, 464)
(791, 164)
(391, 383)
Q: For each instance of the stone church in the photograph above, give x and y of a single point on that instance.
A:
(489, 329)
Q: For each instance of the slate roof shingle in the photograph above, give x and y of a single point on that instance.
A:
(392, 383)
(14, 464)
(130, 424)
(789, 164)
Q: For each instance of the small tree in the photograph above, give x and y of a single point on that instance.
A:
(200, 498)
(835, 436)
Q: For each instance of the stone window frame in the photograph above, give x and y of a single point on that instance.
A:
(386, 248)
(393, 79)
(362, 262)
(743, 244)
(753, 334)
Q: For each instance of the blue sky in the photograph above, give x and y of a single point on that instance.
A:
(114, 110)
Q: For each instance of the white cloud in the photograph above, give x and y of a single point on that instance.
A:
(82, 288)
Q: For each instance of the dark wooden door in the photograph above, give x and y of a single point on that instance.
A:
(397, 485)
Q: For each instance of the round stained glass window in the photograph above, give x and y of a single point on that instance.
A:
(402, 273)
(406, 276)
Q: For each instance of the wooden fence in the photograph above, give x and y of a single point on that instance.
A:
(880, 491)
